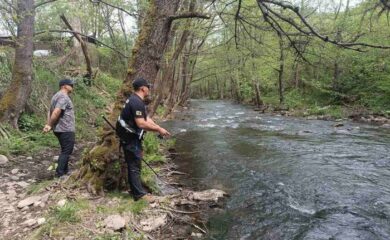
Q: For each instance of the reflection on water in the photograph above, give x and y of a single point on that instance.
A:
(288, 178)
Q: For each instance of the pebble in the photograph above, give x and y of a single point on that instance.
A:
(11, 193)
(14, 178)
(3, 160)
(197, 235)
(41, 221)
(22, 195)
(61, 203)
(29, 158)
(29, 222)
(23, 184)
(14, 171)
(45, 197)
(9, 209)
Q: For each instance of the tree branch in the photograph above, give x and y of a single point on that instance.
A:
(116, 7)
(74, 32)
(189, 15)
(43, 3)
(307, 28)
(9, 5)
(7, 42)
(236, 17)
(84, 46)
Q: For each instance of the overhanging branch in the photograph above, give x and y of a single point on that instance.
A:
(306, 27)
(189, 15)
(116, 7)
(43, 3)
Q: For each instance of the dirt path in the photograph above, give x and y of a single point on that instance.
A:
(21, 176)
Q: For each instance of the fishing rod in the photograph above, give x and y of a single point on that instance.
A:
(159, 136)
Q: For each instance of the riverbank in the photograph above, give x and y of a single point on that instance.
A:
(36, 206)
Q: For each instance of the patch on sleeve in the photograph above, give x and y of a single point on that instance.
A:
(138, 113)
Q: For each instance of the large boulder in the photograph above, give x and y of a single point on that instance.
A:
(154, 222)
(28, 201)
(208, 195)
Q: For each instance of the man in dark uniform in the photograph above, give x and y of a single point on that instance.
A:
(135, 120)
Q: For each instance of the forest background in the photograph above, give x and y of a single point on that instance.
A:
(327, 58)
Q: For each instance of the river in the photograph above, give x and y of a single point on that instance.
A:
(288, 178)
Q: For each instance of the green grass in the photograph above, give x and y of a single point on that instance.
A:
(57, 216)
(27, 142)
(89, 102)
(125, 204)
(37, 187)
(67, 213)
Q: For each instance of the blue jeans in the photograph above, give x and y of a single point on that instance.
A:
(67, 140)
(133, 156)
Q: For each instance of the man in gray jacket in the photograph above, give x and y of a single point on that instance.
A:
(61, 120)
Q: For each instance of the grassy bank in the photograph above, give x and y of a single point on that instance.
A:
(90, 103)
(74, 218)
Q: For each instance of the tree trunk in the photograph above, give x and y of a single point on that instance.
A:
(14, 100)
(256, 87)
(175, 81)
(281, 69)
(98, 169)
(184, 71)
(297, 75)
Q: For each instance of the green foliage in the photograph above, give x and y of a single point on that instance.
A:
(32, 142)
(89, 103)
(332, 76)
(149, 179)
(151, 144)
(29, 122)
(160, 110)
(5, 68)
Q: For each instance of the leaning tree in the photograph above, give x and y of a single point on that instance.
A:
(98, 165)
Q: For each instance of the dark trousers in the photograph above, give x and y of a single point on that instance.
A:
(133, 156)
(67, 140)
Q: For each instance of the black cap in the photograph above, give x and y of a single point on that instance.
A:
(66, 82)
(140, 82)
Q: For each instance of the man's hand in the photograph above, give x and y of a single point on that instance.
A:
(47, 128)
(163, 132)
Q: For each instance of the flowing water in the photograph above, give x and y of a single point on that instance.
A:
(288, 178)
